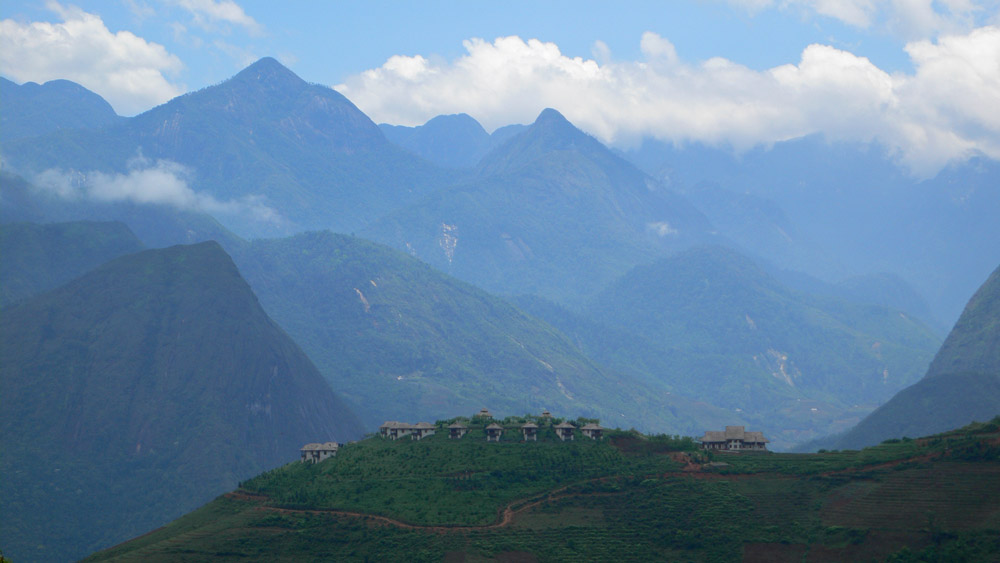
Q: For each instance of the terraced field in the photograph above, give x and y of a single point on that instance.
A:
(622, 499)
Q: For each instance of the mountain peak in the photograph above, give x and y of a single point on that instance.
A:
(550, 115)
(268, 70)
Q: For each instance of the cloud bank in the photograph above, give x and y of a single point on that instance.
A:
(945, 110)
(125, 69)
(162, 182)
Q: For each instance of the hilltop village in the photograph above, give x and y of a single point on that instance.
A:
(734, 439)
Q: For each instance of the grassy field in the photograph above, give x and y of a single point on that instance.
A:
(625, 498)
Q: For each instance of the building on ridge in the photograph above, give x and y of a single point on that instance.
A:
(564, 430)
(395, 430)
(734, 439)
(593, 431)
(457, 430)
(315, 453)
(493, 432)
(421, 430)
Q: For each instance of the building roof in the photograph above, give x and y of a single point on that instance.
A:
(565, 425)
(395, 424)
(494, 426)
(733, 433)
(320, 447)
(423, 425)
(530, 425)
(484, 412)
(546, 413)
(457, 425)
(592, 426)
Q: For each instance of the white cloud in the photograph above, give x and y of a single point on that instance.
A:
(941, 112)
(149, 183)
(208, 13)
(126, 70)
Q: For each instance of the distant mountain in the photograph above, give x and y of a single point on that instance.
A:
(138, 392)
(962, 384)
(452, 141)
(712, 324)
(551, 212)
(35, 258)
(32, 110)
(853, 210)
(302, 149)
(402, 341)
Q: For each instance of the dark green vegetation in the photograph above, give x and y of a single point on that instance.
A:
(791, 364)
(961, 384)
(550, 212)
(31, 110)
(265, 133)
(36, 258)
(625, 498)
(139, 391)
(401, 340)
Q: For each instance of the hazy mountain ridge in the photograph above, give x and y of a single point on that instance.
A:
(961, 385)
(33, 110)
(301, 150)
(403, 341)
(552, 212)
(155, 379)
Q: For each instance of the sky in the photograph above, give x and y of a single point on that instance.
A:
(921, 77)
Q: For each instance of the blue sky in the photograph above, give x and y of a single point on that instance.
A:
(921, 77)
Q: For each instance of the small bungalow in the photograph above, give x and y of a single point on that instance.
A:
(564, 430)
(394, 430)
(493, 432)
(315, 453)
(593, 431)
(530, 430)
(734, 439)
(421, 430)
(484, 412)
(457, 430)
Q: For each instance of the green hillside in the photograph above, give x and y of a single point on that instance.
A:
(139, 391)
(628, 497)
(711, 323)
(399, 339)
(35, 258)
(962, 383)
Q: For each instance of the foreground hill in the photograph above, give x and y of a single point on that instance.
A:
(401, 340)
(139, 391)
(35, 258)
(626, 498)
(550, 212)
(962, 384)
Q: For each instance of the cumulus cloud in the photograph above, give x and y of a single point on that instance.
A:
(941, 112)
(209, 13)
(125, 69)
(162, 182)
